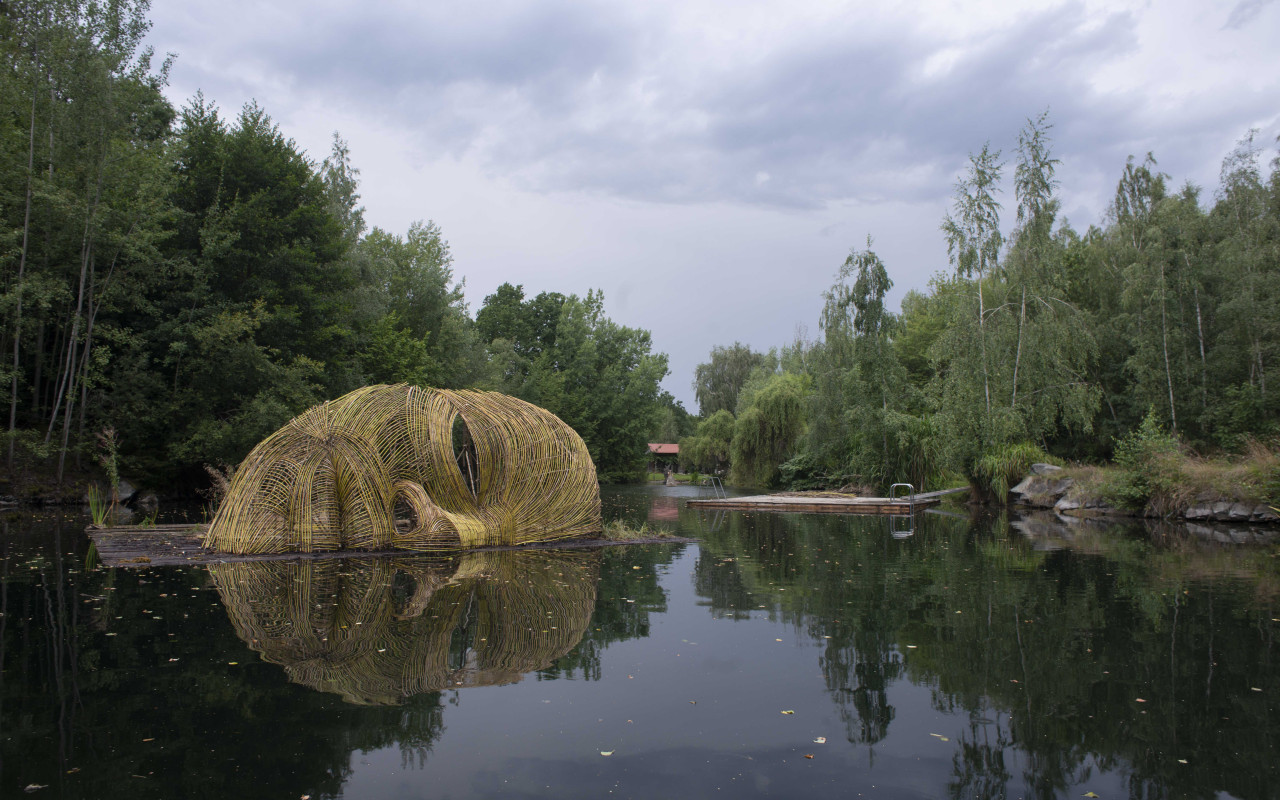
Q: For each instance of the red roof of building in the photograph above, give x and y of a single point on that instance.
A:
(664, 449)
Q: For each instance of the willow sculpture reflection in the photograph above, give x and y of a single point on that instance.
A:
(377, 631)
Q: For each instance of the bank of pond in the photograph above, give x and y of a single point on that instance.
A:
(964, 654)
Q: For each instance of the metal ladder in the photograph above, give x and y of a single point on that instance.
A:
(894, 530)
(717, 488)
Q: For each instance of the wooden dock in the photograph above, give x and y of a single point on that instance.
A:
(826, 503)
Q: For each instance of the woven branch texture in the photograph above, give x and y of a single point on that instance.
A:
(377, 631)
(377, 469)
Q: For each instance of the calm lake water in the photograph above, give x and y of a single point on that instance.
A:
(778, 656)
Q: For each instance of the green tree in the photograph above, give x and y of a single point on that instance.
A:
(973, 245)
(86, 119)
(1013, 361)
(1246, 227)
(707, 450)
(412, 281)
(718, 382)
(864, 423)
(674, 422)
(605, 385)
(768, 430)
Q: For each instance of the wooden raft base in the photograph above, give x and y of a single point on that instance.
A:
(825, 503)
(180, 545)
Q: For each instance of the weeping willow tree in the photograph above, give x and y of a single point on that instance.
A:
(708, 449)
(867, 423)
(767, 429)
(401, 467)
(378, 631)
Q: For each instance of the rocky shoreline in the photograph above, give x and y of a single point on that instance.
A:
(1049, 487)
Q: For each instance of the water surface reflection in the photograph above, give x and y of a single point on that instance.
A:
(985, 656)
(377, 631)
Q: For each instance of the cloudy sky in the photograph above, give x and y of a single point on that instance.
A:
(710, 164)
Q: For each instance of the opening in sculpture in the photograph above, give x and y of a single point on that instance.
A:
(390, 468)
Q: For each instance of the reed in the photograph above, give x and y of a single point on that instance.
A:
(99, 508)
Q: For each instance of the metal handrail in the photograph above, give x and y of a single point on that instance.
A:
(903, 533)
(910, 497)
(717, 487)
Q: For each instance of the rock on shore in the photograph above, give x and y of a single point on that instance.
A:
(1047, 487)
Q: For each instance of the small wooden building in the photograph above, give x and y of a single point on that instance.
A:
(663, 457)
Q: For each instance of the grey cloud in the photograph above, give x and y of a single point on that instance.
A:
(1245, 11)
(596, 98)
(834, 120)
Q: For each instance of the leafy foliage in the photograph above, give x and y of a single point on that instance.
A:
(564, 354)
(195, 280)
(767, 431)
(718, 382)
(708, 449)
(1046, 342)
(1149, 460)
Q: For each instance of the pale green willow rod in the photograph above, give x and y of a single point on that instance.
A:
(334, 477)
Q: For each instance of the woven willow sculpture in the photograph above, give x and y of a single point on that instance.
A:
(378, 631)
(334, 477)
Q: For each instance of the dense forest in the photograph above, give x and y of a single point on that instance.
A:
(1158, 328)
(178, 283)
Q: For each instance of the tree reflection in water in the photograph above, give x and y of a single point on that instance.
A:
(378, 631)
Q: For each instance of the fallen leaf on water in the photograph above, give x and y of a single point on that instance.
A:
(939, 736)
(34, 787)
(1140, 700)
(808, 755)
(152, 739)
(1255, 688)
(820, 740)
(1182, 761)
(606, 753)
(788, 712)
(1089, 794)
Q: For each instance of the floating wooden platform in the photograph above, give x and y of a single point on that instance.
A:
(180, 545)
(826, 503)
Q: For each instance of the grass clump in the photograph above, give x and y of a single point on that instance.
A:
(1000, 469)
(618, 530)
(680, 477)
(99, 508)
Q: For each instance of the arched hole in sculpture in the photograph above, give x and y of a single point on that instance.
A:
(406, 517)
(464, 455)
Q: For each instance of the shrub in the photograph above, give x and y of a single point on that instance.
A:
(1150, 469)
